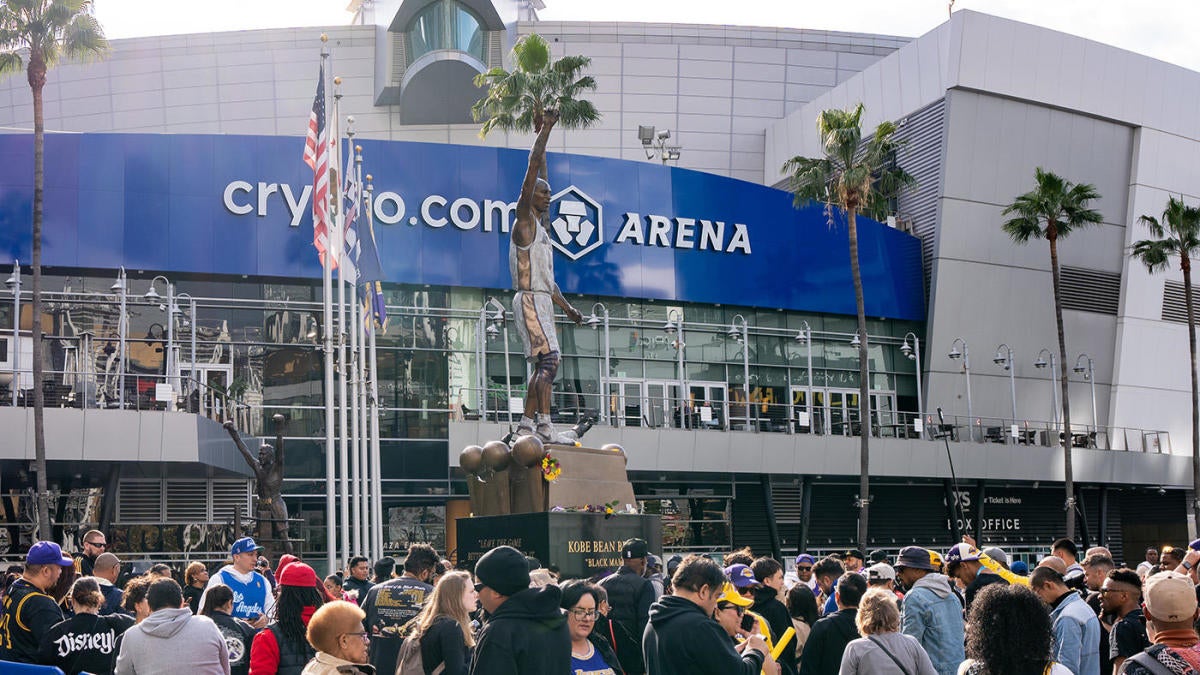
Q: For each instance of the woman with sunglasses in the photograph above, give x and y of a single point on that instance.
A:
(730, 613)
(590, 652)
(336, 632)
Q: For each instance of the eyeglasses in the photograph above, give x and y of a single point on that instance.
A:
(100, 544)
(722, 606)
(804, 569)
(362, 635)
(581, 614)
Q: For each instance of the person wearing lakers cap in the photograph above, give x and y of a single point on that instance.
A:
(1170, 607)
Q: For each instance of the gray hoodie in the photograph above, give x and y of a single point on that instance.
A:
(172, 641)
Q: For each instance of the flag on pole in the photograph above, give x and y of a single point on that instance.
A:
(352, 196)
(371, 271)
(316, 156)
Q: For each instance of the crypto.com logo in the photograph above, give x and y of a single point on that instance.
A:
(576, 222)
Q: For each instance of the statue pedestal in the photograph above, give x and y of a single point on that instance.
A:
(589, 476)
(582, 545)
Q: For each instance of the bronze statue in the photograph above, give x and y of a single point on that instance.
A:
(268, 478)
(531, 263)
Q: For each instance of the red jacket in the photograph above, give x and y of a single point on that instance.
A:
(264, 651)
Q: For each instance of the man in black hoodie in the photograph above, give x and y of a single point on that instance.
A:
(822, 653)
(630, 595)
(683, 639)
(526, 633)
(769, 574)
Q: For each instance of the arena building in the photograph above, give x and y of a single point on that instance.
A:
(178, 160)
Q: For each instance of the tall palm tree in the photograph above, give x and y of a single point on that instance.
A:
(1178, 233)
(516, 100)
(855, 176)
(36, 34)
(1052, 211)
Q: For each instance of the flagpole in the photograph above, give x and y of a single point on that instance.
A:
(327, 347)
(360, 374)
(339, 250)
(355, 468)
(376, 483)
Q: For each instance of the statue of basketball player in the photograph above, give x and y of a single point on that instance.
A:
(531, 262)
(268, 478)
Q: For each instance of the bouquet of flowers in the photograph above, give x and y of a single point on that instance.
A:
(551, 469)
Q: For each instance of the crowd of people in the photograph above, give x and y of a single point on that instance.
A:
(965, 611)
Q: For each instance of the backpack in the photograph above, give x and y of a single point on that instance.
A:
(409, 662)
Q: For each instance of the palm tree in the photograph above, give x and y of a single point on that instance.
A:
(516, 100)
(36, 34)
(856, 177)
(1178, 233)
(1053, 210)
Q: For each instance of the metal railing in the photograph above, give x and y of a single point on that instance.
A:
(90, 390)
(663, 413)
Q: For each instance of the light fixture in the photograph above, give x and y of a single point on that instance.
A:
(801, 337)
(492, 331)
(734, 334)
(855, 341)
(907, 350)
(593, 321)
(11, 282)
(954, 353)
(1000, 360)
(654, 141)
(669, 327)
(152, 294)
(1040, 363)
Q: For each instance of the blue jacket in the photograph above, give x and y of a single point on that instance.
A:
(934, 616)
(1076, 635)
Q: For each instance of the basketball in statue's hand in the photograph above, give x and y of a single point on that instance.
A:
(613, 447)
(528, 451)
(471, 459)
(495, 455)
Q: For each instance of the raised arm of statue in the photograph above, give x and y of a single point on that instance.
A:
(524, 229)
(280, 426)
(237, 439)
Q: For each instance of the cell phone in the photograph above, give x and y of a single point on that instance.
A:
(748, 622)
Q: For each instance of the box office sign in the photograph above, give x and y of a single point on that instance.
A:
(581, 545)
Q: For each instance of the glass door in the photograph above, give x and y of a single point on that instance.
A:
(706, 402)
(625, 403)
(809, 419)
(843, 412)
(658, 403)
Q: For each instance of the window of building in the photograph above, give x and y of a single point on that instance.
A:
(445, 24)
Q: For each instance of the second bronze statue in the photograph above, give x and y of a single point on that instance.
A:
(268, 480)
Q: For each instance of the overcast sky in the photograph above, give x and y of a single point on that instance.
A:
(1160, 28)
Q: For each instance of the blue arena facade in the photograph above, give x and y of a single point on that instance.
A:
(747, 433)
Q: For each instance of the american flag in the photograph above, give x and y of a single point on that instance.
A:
(316, 156)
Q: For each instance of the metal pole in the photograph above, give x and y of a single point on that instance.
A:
(507, 367)
(170, 360)
(339, 247)
(1092, 376)
(376, 477)
(356, 472)
(481, 353)
(16, 348)
(607, 363)
(327, 347)
(195, 370)
(360, 374)
(967, 377)
(746, 365)
(1010, 365)
(916, 356)
(812, 408)
(122, 329)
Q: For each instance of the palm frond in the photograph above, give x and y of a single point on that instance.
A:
(1153, 253)
(516, 100)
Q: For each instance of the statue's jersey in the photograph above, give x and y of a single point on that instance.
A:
(532, 266)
